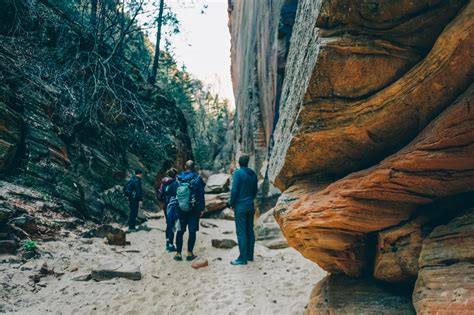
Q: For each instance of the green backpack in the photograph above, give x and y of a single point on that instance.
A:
(183, 194)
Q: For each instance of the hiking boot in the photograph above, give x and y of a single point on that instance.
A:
(178, 257)
(170, 248)
(237, 262)
(190, 257)
(131, 230)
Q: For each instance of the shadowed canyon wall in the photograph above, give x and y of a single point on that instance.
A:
(373, 144)
(48, 164)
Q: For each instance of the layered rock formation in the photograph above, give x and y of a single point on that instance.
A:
(374, 146)
(79, 169)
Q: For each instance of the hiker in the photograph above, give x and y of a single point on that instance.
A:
(133, 190)
(167, 195)
(190, 197)
(243, 192)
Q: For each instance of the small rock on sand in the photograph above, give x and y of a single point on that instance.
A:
(200, 263)
(116, 270)
(206, 224)
(224, 243)
(277, 244)
(84, 277)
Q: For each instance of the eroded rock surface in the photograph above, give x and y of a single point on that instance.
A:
(445, 283)
(331, 226)
(348, 122)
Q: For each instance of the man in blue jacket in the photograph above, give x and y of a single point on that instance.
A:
(134, 189)
(190, 218)
(244, 190)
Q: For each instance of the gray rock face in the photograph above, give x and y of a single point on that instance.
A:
(116, 270)
(10, 136)
(269, 233)
(260, 38)
(217, 183)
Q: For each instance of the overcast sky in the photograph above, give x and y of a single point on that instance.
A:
(204, 43)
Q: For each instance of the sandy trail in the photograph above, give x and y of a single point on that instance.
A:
(278, 282)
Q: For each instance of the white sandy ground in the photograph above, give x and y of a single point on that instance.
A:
(278, 282)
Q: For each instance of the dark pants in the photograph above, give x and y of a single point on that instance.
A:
(188, 220)
(169, 230)
(245, 234)
(132, 219)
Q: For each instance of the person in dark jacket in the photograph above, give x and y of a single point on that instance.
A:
(243, 192)
(190, 219)
(166, 194)
(135, 198)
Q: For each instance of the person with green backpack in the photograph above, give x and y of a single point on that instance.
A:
(190, 196)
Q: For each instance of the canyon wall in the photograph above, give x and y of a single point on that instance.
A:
(50, 167)
(373, 146)
(260, 39)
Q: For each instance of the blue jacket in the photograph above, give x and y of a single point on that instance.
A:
(197, 187)
(244, 189)
(136, 186)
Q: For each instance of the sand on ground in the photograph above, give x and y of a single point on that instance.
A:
(277, 282)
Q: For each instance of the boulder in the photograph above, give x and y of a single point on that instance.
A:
(338, 294)
(200, 263)
(218, 183)
(115, 236)
(331, 226)
(115, 270)
(216, 202)
(8, 246)
(268, 231)
(445, 283)
(224, 243)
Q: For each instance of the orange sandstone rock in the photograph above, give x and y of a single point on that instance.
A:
(331, 226)
(345, 133)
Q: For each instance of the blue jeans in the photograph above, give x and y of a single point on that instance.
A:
(245, 233)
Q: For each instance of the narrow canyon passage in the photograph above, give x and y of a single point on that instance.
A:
(277, 282)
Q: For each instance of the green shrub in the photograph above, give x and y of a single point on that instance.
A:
(30, 246)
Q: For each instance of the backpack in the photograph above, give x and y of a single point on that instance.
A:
(128, 189)
(183, 195)
(186, 194)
